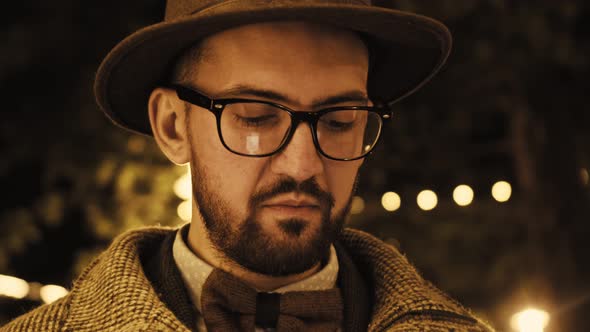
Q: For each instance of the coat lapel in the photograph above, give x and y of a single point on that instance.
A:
(398, 291)
(113, 293)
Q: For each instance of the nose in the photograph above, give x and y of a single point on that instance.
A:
(300, 159)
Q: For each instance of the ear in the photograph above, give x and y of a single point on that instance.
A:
(167, 119)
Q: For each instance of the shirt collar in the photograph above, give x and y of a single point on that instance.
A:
(195, 271)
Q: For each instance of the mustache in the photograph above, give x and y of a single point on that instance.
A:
(309, 187)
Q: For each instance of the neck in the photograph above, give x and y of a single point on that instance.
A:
(201, 246)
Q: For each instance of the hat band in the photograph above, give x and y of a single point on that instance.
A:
(178, 8)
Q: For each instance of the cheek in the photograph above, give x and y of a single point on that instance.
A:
(231, 176)
(341, 177)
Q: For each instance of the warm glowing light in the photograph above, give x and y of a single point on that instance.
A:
(182, 186)
(185, 210)
(391, 201)
(51, 293)
(584, 176)
(463, 195)
(358, 205)
(136, 144)
(501, 191)
(427, 200)
(530, 320)
(13, 287)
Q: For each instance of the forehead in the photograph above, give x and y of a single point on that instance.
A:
(286, 56)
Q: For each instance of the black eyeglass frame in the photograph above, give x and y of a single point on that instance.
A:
(216, 106)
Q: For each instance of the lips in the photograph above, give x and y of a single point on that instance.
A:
(293, 207)
(292, 203)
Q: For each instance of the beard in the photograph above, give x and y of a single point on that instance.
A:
(300, 245)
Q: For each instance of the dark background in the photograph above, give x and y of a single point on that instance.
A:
(510, 105)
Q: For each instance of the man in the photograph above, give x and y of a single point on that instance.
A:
(274, 104)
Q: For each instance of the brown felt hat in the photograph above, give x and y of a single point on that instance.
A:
(406, 49)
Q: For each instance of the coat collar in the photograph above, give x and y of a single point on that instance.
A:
(113, 290)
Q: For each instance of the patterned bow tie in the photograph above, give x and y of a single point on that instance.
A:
(228, 304)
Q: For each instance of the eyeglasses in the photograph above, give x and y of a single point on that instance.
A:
(256, 128)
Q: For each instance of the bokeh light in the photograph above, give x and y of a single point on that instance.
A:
(530, 320)
(51, 293)
(185, 210)
(391, 201)
(357, 205)
(136, 144)
(13, 287)
(463, 195)
(182, 186)
(427, 200)
(501, 191)
(584, 176)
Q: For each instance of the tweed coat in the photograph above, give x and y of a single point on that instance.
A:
(114, 294)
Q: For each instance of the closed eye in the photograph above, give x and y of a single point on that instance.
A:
(334, 125)
(257, 121)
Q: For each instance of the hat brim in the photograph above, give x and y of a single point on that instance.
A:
(406, 51)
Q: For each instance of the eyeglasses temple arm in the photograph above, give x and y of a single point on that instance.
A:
(193, 97)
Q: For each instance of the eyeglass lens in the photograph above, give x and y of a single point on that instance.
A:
(259, 129)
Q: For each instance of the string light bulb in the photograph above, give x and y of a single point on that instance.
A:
(530, 320)
(463, 195)
(13, 287)
(501, 191)
(391, 201)
(427, 200)
(52, 293)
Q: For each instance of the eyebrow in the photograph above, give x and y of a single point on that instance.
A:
(356, 96)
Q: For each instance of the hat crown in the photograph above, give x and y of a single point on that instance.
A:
(176, 9)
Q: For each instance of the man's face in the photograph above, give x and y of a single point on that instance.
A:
(274, 215)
